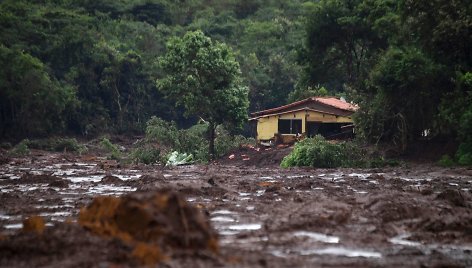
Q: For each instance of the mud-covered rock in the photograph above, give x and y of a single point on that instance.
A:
(149, 182)
(110, 179)
(60, 183)
(454, 197)
(162, 218)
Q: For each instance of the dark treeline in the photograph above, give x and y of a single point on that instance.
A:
(85, 67)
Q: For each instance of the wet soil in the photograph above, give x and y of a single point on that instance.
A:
(264, 216)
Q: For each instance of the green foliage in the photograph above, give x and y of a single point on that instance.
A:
(57, 145)
(446, 161)
(162, 132)
(317, 152)
(203, 77)
(320, 153)
(112, 149)
(21, 149)
(405, 90)
(304, 93)
(146, 154)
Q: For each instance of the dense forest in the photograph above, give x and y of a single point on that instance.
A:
(87, 67)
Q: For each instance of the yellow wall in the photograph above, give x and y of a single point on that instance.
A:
(268, 126)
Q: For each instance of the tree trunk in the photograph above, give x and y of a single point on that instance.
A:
(211, 139)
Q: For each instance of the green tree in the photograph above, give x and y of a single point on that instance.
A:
(343, 41)
(402, 97)
(203, 77)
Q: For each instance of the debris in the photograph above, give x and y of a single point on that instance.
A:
(177, 159)
(231, 156)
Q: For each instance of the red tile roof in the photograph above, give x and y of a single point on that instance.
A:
(329, 101)
(335, 102)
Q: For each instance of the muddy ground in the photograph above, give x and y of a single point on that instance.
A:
(409, 216)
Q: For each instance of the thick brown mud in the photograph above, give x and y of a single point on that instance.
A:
(261, 215)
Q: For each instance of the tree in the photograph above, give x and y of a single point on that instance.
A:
(203, 77)
(402, 97)
(343, 40)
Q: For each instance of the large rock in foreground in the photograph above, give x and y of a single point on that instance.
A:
(162, 220)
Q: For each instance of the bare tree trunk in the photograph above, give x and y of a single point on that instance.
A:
(211, 139)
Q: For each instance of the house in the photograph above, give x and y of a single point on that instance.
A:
(327, 116)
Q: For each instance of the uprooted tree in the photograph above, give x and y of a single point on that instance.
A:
(203, 76)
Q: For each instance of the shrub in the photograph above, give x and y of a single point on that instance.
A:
(58, 145)
(146, 154)
(446, 161)
(163, 132)
(111, 148)
(21, 148)
(317, 152)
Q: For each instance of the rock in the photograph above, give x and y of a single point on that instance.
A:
(161, 218)
(110, 179)
(59, 183)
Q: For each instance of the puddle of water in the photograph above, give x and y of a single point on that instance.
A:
(108, 189)
(318, 237)
(360, 175)
(295, 177)
(226, 232)
(13, 226)
(222, 219)
(93, 178)
(341, 251)
(223, 212)
(57, 214)
(5, 217)
(127, 177)
(401, 240)
(245, 227)
(54, 206)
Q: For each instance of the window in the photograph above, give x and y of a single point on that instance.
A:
(290, 126)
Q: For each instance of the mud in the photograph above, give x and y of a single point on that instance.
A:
(263, 216)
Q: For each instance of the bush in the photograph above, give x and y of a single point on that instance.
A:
(317, 152)
(58, 145)
(111, 148)
(446, 161)
(21, 148)
(162, 132)
(146, 154)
